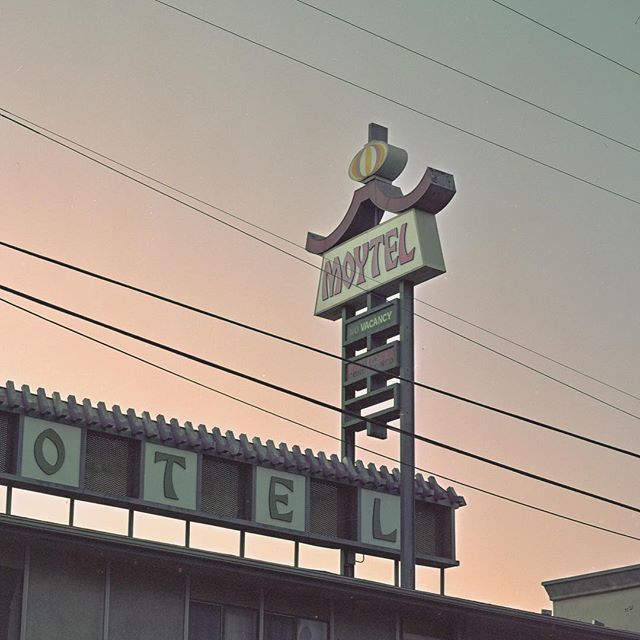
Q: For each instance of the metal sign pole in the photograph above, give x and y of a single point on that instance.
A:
(407, 442)
(347, 557)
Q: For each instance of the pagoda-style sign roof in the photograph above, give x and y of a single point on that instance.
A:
(213, 442)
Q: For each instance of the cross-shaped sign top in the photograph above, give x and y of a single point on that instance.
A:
(378, 132)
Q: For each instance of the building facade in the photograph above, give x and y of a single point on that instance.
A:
(609, 597)
(60, 581)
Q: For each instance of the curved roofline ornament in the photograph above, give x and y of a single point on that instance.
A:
(377, 164)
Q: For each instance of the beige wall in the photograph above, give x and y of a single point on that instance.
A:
(617, 609)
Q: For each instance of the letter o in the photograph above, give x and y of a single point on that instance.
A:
(38, 451)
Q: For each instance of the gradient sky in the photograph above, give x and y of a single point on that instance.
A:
(531, 254)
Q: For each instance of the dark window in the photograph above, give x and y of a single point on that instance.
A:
(205, 621)
(223, 622)
(10, 603)
(312, 630)
(216, 622)
(240, 624)
(279, 627)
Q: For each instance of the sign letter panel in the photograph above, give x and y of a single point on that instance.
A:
(51, 452)
(405, 247)
(170, 476)
(280, 499)
(379, 519)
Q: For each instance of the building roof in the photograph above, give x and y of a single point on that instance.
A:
(472, 619)
(590, 583)
(214, 442)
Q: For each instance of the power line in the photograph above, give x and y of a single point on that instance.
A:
(531, 368)
(291, 242)
(400, 104)
(562, 35)
(149, 177)
(285, 252)
(312, 400)
(159, 191)
(522, 346)
(160, 182)
(302, 345)
(466, 75)
(309, 428)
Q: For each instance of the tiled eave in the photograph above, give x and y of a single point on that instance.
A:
(214, 442)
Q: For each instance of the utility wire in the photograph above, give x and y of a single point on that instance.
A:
(400, 104)
(285, 252)
(302, 345)
(299, 246)
(309, 428)
(531, 368)
(467, 75)
(160, 182)
(522, 346)
(312, 400)
(562, 35)
(159, 191)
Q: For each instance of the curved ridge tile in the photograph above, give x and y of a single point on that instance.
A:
(45, 408)
(313, 461)
(206, 440)
(89, 413)
(12, 396)
(193, 437)
(73, 409)
(233, 446)
(59, 409)
(104, 418)
(135, 424)
(178, 435)
(220, 442)
(150, 429)
(163, 428)
(299, 457)
(119, 421)
(28, 401)
(340, 470)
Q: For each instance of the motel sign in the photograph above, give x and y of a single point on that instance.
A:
(366, 262)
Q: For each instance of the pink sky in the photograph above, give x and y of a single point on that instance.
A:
(532, 255)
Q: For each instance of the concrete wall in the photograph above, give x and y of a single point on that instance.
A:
(355, 621)
(82, 597)
(146, 603)
(65, 597)
(618, 610)
(79, 596)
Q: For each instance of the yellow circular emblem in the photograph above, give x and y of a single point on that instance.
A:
(368, 161)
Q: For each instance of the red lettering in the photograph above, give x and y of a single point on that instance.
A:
(348, 270)
(331, 278)
(391, 249)
(361, 253)
(375, 261)
(404, 255)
